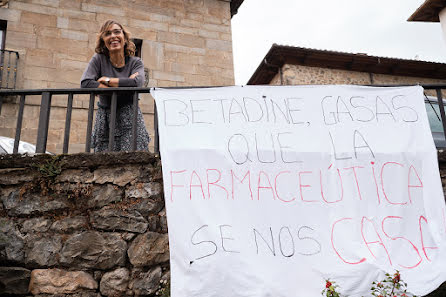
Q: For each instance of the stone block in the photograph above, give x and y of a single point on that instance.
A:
(217, 28)
(119, 175)
(102, 17)
(20, 27)
(71, 64)
(57, 281)
(77, 14)
(161, 75)
(12, 243)
(92, 249)
(115, 283)
(61, 44)
(14, 176)
(31, 203)
(40, 58)
(14, 280)
(72, 4)
(52, 3)
(153, 54)
(145, 282)
(74, 35)
(36, 225)
(116, 219)
(62, 23)
(20, 40)
(47, 32)
(181, 39)
(70, 224)
(181, 68)
(149, 249)
(10, 15)
(33, 7)
(183, 30)
(220, 45)
(113, 10)
(185, 49)
(37, 73)
(38, 19)
(209, 34)
(42, 251)
(154, 26)
(191, 23)
(144, 35)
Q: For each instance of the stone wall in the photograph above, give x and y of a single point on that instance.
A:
(306, 75)
(184, 43)
(87, 225)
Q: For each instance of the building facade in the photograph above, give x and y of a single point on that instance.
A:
(287, 65)
(181, 42)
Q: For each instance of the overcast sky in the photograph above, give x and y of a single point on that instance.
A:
(374, 27)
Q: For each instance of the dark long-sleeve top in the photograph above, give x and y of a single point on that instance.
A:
(100, 65)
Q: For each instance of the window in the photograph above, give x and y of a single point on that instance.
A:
(138, 45)
(3, 25)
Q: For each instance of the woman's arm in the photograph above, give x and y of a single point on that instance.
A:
(91, 74)
(137, 77)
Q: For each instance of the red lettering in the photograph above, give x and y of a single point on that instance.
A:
(409, 185)
(264, 187)
(172, 185)
(356, 179)
(376, 183)
(199, 185)
(275, 187)
(215, 182)
(322, 188)
(301, 186)
(248, 174)
(368, 243)
(403, 238)
(382, 183)
(422, 239)
(334, 248)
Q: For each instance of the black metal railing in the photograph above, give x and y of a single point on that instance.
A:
(9, 61)
(45, 108)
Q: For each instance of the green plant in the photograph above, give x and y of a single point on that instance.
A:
(391, 286)
(51, 168)
(330, 289)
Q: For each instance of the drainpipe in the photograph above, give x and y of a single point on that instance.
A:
(278, 68)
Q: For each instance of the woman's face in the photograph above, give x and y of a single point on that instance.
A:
(114, 38)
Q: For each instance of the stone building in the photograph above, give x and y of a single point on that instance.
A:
(182, 43)
(287, 65)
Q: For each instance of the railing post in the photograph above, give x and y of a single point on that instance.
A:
(18, 128)
(44, 119)
(15, 68)
(66, 137)
(134, 121)
(89, 123)
(442, 113)
(156, 144)
(112, 123)
(2, 59)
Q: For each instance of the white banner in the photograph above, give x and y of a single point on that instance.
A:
(271, 190)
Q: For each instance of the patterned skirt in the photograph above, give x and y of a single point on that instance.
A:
(123, 130)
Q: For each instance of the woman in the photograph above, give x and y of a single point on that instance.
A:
(114, 65)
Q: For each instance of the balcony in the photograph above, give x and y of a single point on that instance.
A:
(9, 61)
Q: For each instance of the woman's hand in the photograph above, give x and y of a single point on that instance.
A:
(112, 82)
(134, 75)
